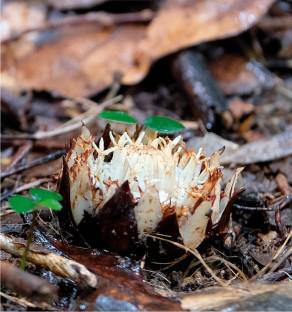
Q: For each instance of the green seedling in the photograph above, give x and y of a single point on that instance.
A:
(118, 116)
(38, 198)
(161, 124)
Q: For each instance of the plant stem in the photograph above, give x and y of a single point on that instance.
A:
(29, 240)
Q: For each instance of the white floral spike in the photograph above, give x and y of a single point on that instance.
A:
(112, 138)
(101, 144)
(99, 151)
(140, 137)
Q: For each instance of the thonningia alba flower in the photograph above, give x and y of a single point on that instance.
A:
(122, 188)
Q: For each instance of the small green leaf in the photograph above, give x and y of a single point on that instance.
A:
(163, 124)
(40, 194)
(118, 116)
(51, 204)
(21, 204)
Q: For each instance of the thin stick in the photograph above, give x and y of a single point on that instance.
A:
(26, 284)
(274, 276)
(25, 187)
(275, 23)
(229, 265)
(191, 124)
(237, 206)
(286, 255)
(196, 254)
(21, 152)
(86, 118)
(59, 265)
(285, 91)
(21, 301)
(279, 251)
(29, 241)
(6, 211)
(34, 163)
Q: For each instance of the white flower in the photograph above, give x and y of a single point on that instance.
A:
(164, 178)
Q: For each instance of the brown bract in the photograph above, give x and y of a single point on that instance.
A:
(80, 59)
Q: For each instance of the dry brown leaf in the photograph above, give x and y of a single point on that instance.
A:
(182, 23)
(80, 60)
(76, 62)
(20, 15)
(263, 150)
(237, 75)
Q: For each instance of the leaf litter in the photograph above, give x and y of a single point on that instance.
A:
(75, 53)
(89, 53)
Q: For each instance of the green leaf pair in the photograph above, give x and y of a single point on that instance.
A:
(38, 198)
(161, 124)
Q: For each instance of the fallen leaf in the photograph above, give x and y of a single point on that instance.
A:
(20, 15)
(237, 75)
(258, 182)
(193, 22)
(267, 149)
(211, 142)
(81, 60)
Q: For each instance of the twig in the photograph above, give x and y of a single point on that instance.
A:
(55, 263)
(29, 240)
(237, 206)
(86, 118)
(196, 254)
(275, 23)
(47, 144)
(286, 255)
(171, 264)
(25, 283)
(275, 276)
(36, 162)
(101, 18)
(25, 187)
(189, 69)
(283, 184)
(278, 203)
(22, 151)
(89, 104)
(285, 91)
(191, 124)
(115, 86)
(278, 221)
(21, 301)
(277, 254)
(6, 211)
(229, 265)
